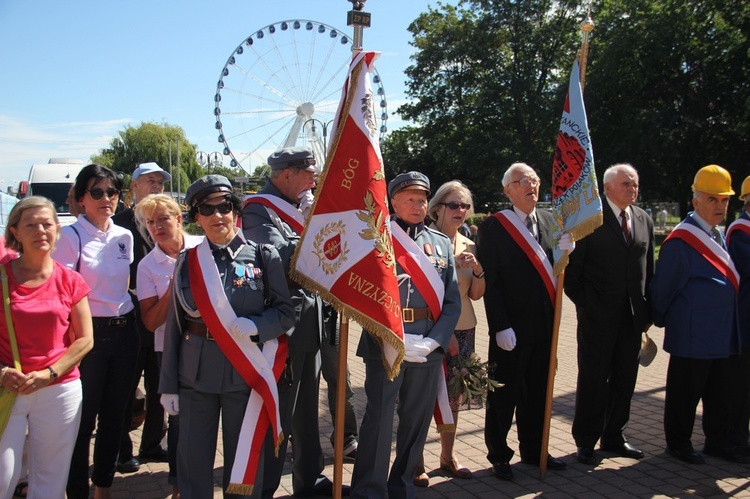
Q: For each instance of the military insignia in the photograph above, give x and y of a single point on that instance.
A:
(439, 250)
(330, 247)
(239, 282)
(428, 249)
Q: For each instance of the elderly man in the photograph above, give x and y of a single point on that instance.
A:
(147, 178)
(427, 333)
(276, 216)
(515, 249)
(608, 279)
(694, 296)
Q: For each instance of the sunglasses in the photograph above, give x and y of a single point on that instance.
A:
(97, 193)
(455, 206)
(209, 209)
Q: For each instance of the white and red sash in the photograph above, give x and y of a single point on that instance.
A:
(741, 225)
(259, 368)
(285, 210)
(426, 279)
(531, 247)
(709, 249)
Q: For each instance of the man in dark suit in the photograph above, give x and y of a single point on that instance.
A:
(607, 278)
(515, 250)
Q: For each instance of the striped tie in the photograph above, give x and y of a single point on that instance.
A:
(626, 228)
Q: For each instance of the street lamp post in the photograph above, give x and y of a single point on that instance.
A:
(312, 133)
(209, 160)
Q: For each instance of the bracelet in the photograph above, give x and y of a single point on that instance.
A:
(52, 373)
(480, 276)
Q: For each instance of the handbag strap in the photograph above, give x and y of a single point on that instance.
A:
(11, 330)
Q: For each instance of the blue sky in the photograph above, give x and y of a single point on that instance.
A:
(76, 73)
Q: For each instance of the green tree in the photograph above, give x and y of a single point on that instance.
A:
(668, 91)
(151, 142)
(485, 83)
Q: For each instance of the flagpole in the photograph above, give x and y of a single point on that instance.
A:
(360, 20)
(587, 26)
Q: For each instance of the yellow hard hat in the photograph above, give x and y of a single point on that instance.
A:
(745, 191)
(713, 179)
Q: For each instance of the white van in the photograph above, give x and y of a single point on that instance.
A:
(53, 180)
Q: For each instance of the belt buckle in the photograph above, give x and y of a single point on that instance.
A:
(118, 321)
(407, 314)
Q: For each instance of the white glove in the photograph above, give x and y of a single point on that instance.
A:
(428, 343)
(506, 339)
(306, 200)
(414, 348)
(242, 327)
(171, 403)
(566, 243)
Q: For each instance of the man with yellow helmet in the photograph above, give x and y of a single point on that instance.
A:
(738, 242)
(694, 296)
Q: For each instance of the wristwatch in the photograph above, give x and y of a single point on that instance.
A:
(480, 276)
(53, 373)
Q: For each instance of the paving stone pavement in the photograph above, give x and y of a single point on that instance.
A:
(657, 475)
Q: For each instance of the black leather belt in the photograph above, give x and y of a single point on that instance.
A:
(415, 314)
(199, 329)
(119, 321)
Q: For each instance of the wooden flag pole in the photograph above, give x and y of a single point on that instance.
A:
(338, 421)
(587, 27)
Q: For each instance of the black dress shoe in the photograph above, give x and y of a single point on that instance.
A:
(160, 456)
(624, 450)
(586, 455)
(553, 463)
(732, 454)
(129, 466)
(323, 488)
(503, 471)
(689, 455)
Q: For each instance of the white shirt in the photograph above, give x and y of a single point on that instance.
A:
(104, 259)
(534, 224)
(154, 274)
(616, 210)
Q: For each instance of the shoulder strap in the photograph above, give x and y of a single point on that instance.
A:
(80, 250)
(11, 330)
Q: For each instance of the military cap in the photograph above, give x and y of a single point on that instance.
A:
(204, 186)
(409, 181)
(293, 157)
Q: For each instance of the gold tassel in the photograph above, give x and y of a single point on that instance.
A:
(449, 428)
(240, 488)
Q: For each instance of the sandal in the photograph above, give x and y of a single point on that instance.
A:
(454, 468)
(21, 489)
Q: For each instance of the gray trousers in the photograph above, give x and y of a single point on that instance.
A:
(416, 391)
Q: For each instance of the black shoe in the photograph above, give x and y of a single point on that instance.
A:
(586, 455)
(129, 466)
(553, 463)
(689, 456)
(160, 456)
(503, 471)
(322, 488)
(731, 454)
(350, 451)
(624, 450)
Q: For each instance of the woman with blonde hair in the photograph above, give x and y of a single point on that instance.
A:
(51, 318)
(449, 208)
(161, 216)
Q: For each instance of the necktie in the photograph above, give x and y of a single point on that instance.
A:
(530, 224)
(716, 234)
(626, 228)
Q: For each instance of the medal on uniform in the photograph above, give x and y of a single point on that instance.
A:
(428, 249)
(438, 251)
(239, 271)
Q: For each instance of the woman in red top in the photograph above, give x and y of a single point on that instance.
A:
(52, 321)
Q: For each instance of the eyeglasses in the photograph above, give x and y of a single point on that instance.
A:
(455, 206)
(209, 209)
(526, 181)
(96, 194)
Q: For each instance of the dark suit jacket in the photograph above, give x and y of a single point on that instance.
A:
(515, 295)
(605, 277)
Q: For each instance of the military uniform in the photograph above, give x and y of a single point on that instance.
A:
(194, 366)
(415, 387)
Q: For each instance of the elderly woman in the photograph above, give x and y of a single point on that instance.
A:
(161, 216)
(102, 252)
(52, 323)
(449, 207)
(224, 346)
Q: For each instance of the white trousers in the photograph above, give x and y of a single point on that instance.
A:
(51, 416)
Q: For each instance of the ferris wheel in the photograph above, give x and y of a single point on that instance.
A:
(281, 87)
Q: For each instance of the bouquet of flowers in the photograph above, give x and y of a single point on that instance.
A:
(469, 380)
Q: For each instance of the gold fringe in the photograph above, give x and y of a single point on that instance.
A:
(580, 231)
(379, 331)
(449, 428)
(277, 446)
(240, 488)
